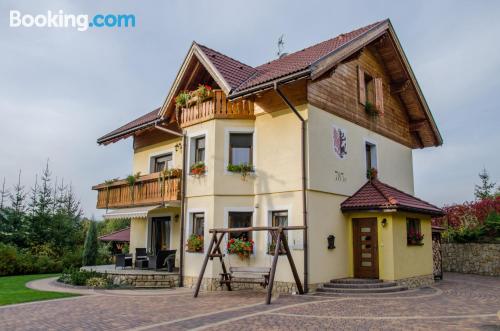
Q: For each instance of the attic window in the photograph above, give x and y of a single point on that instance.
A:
(370, 90)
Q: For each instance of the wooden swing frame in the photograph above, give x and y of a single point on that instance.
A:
(277, 233)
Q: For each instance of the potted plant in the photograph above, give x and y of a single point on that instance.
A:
(131, 180)
(415, 237)
(372, 173)
(198, 169)
(371, 109)
(202, 93)
(182, 99)
(195, 243)
(244, 169)
(243, 248)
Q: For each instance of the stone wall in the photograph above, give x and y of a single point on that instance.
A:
(479, 259)
(212, 284)
(144, 280)
(415, 282)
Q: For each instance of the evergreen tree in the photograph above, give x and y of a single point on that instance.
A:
(485, 189)
(44, 195)
(18, 196)
(3, 194)
(90, 247)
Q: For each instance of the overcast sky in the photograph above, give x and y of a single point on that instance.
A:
(61, 89)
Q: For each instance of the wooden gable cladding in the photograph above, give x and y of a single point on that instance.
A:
(269, 101)
(338, 94)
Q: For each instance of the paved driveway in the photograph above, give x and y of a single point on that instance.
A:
(460, 302)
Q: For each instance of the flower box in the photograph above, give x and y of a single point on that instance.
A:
(242, 248)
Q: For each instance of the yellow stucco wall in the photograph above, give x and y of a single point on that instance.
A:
(397, 260)
(138, 237)
(410, 261)
(394, 161)
(142, 156)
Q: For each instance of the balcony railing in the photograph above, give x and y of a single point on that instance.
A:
(217, 106)
(147, 190)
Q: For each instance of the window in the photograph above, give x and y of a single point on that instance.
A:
(198, 224)
(199, 149)
(278, 218)
(371, 91)
(414, 234)
(240, 220)
(240, 148)
(371, 157)
(161, 162)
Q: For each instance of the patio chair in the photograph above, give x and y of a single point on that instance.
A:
(123, 260)
(141, 258)
(164, 259)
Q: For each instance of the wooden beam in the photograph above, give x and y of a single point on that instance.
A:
(401, 86)
(417, 125)
(204, 265)
(273, 267)
(292, 264)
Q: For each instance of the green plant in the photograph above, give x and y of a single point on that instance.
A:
(271, 248)
(198, 169)
(371, 173)
(74, 276)
(492, 225)
(243, 248)
(370, 108)
(202, 92)
(90, 247)
(195, 243)
(244, 169)
(97, 282)
(131, 181)
(182, 99)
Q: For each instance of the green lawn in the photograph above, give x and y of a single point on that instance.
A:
(13, 290)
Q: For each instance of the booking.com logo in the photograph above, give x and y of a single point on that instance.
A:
(81, 22)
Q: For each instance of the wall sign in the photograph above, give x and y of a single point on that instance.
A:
(339, 142)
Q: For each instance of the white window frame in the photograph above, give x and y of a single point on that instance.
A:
(163, 152)
(227, 210)
(189, 227)
(191, 145)
(227, 133)
(291, 238)
(374, 143)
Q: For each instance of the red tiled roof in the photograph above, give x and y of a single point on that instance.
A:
(120, 235)
(240, 76)
(149, 118)
(300, 60)
(233, 71)
(377, 195)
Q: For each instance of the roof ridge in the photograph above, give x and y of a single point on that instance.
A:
(411, 195)
(232, 58)
(372, 25)
(390, 199)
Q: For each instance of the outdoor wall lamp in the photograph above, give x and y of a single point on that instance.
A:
(176, 218)
(331, 241)
(384, 222)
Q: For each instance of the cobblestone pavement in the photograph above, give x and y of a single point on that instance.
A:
(460, 302)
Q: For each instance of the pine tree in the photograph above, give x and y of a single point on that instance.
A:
(3, 194)
(485, 189)
(18, 196)
(90, 247)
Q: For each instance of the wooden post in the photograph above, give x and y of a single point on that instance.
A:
(218, 251)
(292, 264)
(273, 267)
(204, 265)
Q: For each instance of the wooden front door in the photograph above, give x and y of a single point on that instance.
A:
(365, 247)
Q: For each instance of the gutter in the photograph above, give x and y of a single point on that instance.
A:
(271, 85)
(304, 183)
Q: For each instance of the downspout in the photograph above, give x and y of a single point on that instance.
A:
(304, 184)
(183, 198)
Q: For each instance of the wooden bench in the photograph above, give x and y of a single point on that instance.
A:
(247, 275)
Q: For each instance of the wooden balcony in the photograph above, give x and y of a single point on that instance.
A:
(148, 190)
(217, 106)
